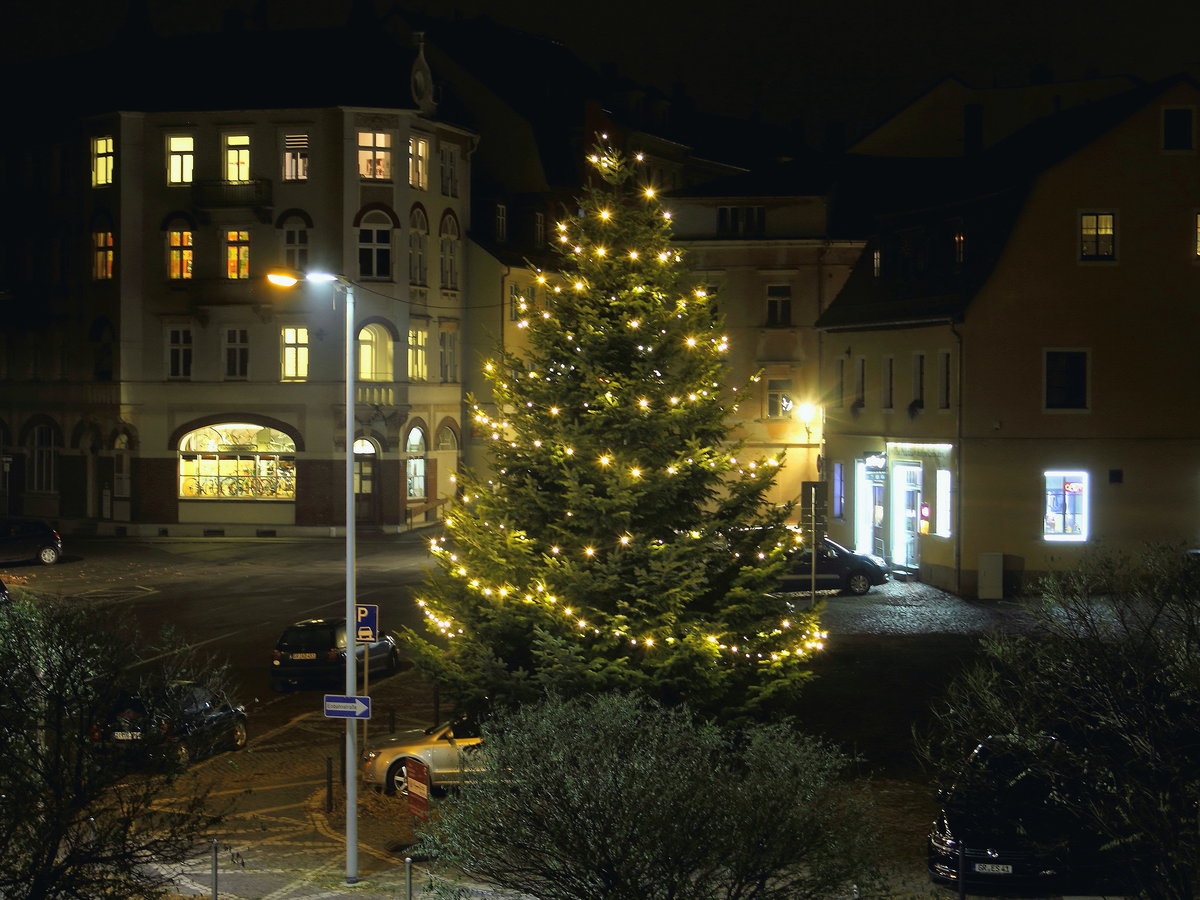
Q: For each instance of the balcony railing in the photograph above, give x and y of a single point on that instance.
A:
(253, 194)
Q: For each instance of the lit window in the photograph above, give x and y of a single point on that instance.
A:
(375, 249)
(102, 255)
(449, 160)
(1197, 244)
(102, 161)
(295, 354)
(449, 254)
(295, 157)
(943, 512)
(262, 467)
(1097, 234)
(448, 356)
(1066, 516)
(516, 302)
(374, 353)
(418, 243)
(1066, 379)
(415, 464)
(295, 246)
(418, 163)
(838, 509)
(237, 157)
(876, 263)
(375, 155)
(779, 398)
(179, 353)
(779, 305)
(179, 255)
(237, 254)
(418, 361)
(960, 246)
(237, 353)
(179, 159)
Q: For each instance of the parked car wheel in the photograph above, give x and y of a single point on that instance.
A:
(48, 556)
(397, 778)
(238, 736)
(858, 583)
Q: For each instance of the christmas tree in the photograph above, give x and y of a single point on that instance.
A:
(621, 541)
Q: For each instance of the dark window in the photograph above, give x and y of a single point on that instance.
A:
(779, 305)
(1066, 379)
(1177, 129)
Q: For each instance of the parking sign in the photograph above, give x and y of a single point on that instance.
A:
(366, 623)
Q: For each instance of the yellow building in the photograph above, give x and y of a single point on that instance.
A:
(1006, 372)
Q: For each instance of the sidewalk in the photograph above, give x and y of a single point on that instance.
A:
(279, 843)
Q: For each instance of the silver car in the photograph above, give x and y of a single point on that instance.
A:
(445, 749)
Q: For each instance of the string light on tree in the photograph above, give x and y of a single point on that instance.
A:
(624, 539)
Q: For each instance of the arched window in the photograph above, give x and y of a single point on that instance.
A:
(449, 246)
(364, 466)
(418, 243)
(447, 439)
(374, 353)
(414, 447)
(237, 461)
(375, 247)
(295, 243)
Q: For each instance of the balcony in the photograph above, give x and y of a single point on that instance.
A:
(255, 194)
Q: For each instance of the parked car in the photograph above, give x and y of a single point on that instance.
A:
(837, 569)
(184, 722)
(29, 540)
(1001, 830)
(314, 652)
(446, 749)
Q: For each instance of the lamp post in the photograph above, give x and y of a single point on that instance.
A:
(340, 282)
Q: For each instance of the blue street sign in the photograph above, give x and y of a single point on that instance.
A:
(366, 625)
(337, 707)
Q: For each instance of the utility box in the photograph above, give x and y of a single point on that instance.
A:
(991, 576)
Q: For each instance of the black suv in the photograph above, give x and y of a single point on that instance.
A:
(26, 540)
(837, 568)
(314, 651)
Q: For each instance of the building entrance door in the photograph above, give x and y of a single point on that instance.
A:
(906, 506)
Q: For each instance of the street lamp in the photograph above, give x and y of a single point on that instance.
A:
(340, 282)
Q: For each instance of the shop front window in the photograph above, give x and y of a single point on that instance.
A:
(1066, 515)
(237, 461)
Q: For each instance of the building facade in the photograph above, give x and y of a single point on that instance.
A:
(155, 383)
(1004, 371)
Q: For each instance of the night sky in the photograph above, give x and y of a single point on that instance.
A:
(853, 60)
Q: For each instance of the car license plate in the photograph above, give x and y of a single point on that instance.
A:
(127, 735)
(304, 656)
(993, 868)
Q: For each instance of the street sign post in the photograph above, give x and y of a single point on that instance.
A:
(366, 623)
(339, 707)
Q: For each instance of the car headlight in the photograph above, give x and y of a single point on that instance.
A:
(370, 755)
(941, 839)
(879, 561)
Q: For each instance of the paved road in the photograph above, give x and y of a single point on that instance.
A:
(231, 598)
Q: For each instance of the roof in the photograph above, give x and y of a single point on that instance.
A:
(886, 195)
